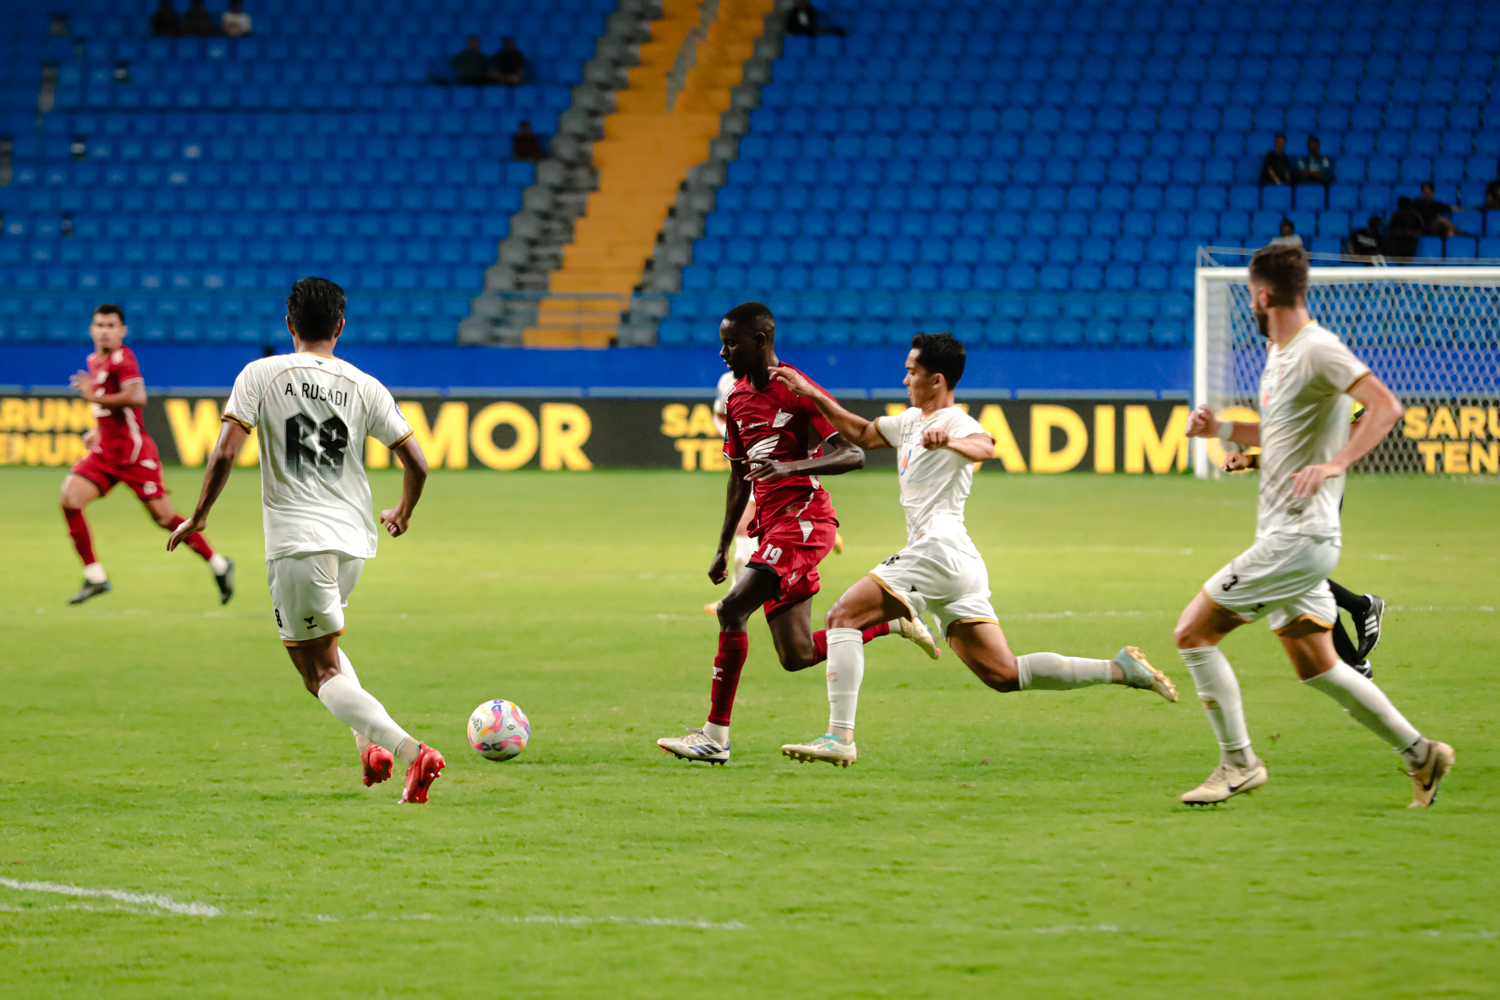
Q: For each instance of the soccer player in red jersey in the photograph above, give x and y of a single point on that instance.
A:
(120, 451)
(778, 444)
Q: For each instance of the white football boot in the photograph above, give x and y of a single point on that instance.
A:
(1226, 781)
(1140, 674)
(1426, 776)
(826, 748)
(695, 746)
(915, 631)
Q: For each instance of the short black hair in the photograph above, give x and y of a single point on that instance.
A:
(1283, 270)
(940, 354)
(754, 316)
(315, 307)
(109, 309)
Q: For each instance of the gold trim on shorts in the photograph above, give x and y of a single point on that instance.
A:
(1227, 611)
(235, 419)
(889, 590)
(304, 642)
(1327, 626)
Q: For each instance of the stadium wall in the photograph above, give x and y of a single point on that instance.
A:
(559, 433)
(639, 372)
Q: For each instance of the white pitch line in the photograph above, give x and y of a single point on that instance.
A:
(157, 900)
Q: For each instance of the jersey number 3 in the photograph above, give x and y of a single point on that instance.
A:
(312, 447)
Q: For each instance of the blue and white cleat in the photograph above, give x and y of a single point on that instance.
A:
(1140, 674)
(695, 746)
(826, 748)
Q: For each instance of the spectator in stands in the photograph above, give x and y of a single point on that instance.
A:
(235, 23)
(1403, 230)
(1492, 192)
(1288, 237)
(526, 145)
(197, 22)
(1437, 218)
(165, 23)
(472, 64)
(802, 19)
(509, 64)
(1366, 242)
(1276, 168)
(1314, 168)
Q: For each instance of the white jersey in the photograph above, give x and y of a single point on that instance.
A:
(1304, 420)
(934, 484)
(726, 384)
(313, 413)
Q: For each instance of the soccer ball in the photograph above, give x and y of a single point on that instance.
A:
(498, 730)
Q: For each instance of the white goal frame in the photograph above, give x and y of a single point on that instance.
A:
(1423, 334)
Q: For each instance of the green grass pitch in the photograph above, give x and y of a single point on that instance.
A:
(1022, 845)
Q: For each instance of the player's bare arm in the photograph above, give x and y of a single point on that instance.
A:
(1202, 423)
(839, 456)
(974, 447)
(220, 465)
(851, 426)
(1381, 412)
(736, 498)
(131, 394)
(414, 478)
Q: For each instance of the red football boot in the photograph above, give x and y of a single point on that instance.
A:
(422, 773)
(378, 763)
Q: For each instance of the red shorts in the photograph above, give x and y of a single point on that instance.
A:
(143, 477)
(792, 548)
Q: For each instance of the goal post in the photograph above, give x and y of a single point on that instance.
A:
(1432, 334)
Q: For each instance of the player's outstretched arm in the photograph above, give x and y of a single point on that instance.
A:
(220, 464)
(839, 456)
(853, 428)
(1382, 410)
(1203, 424)
(414, 477)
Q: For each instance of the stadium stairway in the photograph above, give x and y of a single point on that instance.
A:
(663, 126)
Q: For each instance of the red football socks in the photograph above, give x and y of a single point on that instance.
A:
(733, 647)
(83, 540)
(820, 638)
(195, 541)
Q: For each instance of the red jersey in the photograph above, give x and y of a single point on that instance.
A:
(122, 436)
(777, 423)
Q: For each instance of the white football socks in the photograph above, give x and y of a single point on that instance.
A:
(1054, 672)
(846, 671)
(359, 710)
(94, 573)
(218, 564)
(719, 734)
(1368, 704)
(347, 669)
(1219, 690)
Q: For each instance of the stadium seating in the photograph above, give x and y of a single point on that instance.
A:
(995, 169)
(195, 178)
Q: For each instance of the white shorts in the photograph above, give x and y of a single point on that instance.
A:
(309, 594)
(1281, 578)
(942, 574)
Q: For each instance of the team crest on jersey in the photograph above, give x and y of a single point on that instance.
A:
(780, 419)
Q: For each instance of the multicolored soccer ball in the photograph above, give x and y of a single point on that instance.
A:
(498, 730)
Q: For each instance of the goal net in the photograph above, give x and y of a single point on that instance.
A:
(1432, 334)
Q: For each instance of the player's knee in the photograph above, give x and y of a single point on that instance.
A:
(839, 617)
(1187, 636)
(997, 677)
(793, 662)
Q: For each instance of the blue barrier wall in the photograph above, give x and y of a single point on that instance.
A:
(638, 371)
